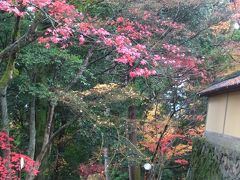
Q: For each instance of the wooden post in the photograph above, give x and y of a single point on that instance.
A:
(133, 169)
(105, 153)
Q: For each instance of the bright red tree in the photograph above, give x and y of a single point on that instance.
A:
(131, 40)
(58, 22)
(10, 165)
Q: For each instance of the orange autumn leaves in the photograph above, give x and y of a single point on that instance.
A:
(224, 27)
(174, 144)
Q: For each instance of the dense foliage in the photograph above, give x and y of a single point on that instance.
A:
(78, 77)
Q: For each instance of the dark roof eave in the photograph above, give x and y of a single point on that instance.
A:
(220, 90)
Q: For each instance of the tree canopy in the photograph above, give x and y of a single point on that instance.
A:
(89, 82)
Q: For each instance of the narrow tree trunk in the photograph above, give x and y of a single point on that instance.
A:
(32, 129)
(133, 168)
(106, 163)
(5, 127)
(60, 146)
(4, 110)
(47, 134)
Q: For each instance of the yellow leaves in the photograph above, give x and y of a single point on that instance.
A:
(99, 96)
(111, 92)
(101, 89)
(179, 150)
(152, 113)
(182, 149)
(149, 138)
(233, 49)
(221, 28)
(231, 70)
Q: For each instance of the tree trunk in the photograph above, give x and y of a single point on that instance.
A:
(60, 146)
(32, 129)
(106, 163)
(4, 110)
(133, 168)
(47, 134)
(5, 125)
(30, 35)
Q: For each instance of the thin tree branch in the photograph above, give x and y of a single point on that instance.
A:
(81, 69)
(27, 38)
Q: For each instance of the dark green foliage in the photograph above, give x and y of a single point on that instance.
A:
(94, 8)
(236, 36)
(168, 174)
(118, 175)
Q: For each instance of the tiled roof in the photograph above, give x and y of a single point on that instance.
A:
(228, 85)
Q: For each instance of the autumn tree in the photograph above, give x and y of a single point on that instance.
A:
(77, 51)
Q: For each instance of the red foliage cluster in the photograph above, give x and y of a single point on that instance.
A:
(10, 162)
(168, 140)
(182, 162)
(166, 143)
(88, 169)
(7, 6)
(131, 31)
(68, 25)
